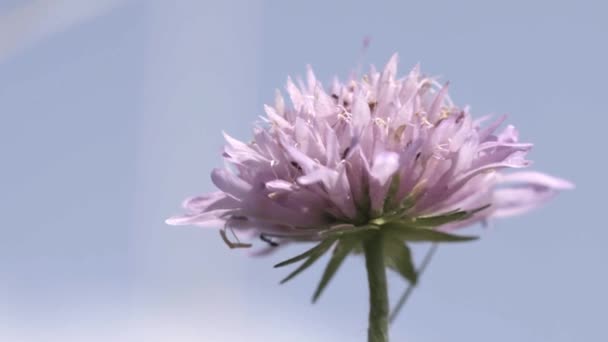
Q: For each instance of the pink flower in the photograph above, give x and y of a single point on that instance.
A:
(367, 153)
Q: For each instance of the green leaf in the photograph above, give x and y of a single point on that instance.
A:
(452, 216)
(399, 257)
(321, 245)
(438, 220)
(313, 256)
(343, 248)
(416, 234)
(346, 229)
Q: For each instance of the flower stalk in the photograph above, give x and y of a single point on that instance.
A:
(378, 291)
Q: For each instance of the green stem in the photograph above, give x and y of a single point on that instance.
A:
(378, 294)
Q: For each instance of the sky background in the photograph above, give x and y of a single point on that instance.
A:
(112, 112)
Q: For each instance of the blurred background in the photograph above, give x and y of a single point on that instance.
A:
(112, 112)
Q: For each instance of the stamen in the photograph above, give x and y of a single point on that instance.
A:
(418, 188)
(399, 131)
(426, 122)
(380, 122)
(423, 119)
(443, 147)
(445, 113)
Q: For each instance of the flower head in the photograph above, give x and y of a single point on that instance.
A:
(365, 153)
(368, 166)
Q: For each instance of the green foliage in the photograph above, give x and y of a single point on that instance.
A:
(323, 245)
(399, 257)
(343, 248)
(396, 230)
(312, 255)
(405, 232)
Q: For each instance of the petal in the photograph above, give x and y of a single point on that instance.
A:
(332, 147)
(509, 134)
(280, 185)
(384, 166)
(235, 143)
(361, 116)
(240, 153)
(307, 140)
(409, 88)
(230, 183)
(475, 193)
(276, 118)
(197, 203)
(515, 160)
(435, 109)
(279, 103)
(294, 94)
(390, 70)
(263, 208)
(501, 152)
(324, 175)
(526, 191)
(300, 159)
(211, 219)
(496, 144)
(516, 201)
(311, 80)
(487, 132)
(336, 185)
(324, 106)
(538, 179)
(342, 194)
(477, 122)
(208, 202)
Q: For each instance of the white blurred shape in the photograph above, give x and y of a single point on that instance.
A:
(24, 25)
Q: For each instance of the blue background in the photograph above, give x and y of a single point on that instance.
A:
(112, 113)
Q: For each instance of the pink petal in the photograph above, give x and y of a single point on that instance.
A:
(538, 179)
(230, 183)
(384, 166)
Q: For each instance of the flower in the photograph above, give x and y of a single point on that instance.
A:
(365, 153)
(368, 166)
